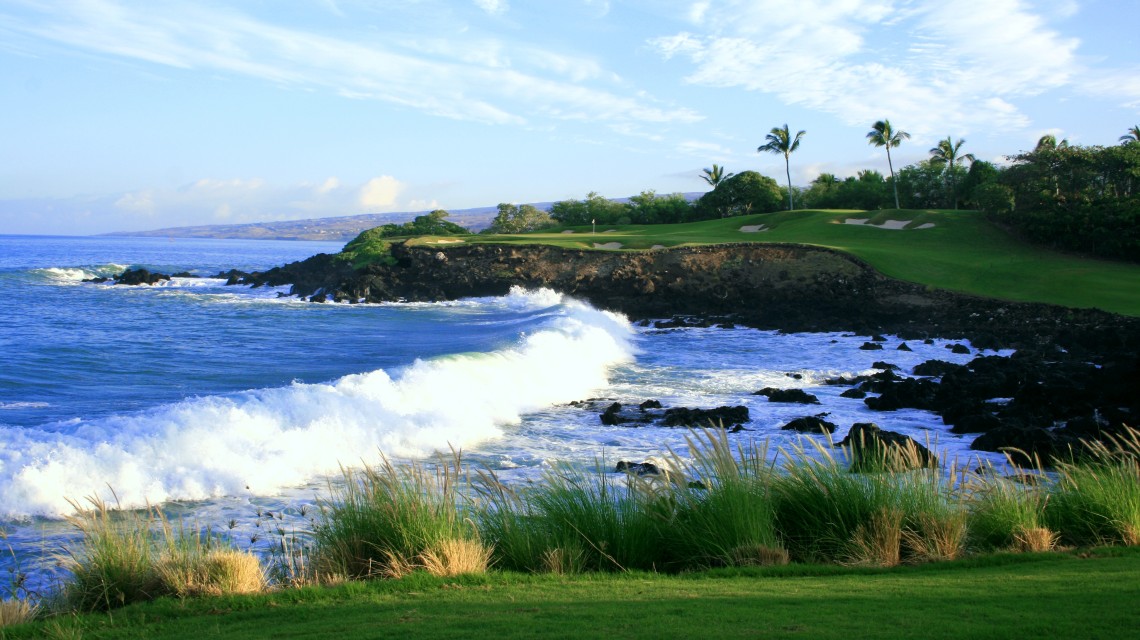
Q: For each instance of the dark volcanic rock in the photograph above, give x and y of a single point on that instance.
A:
(637, 468)
(909, 393)
(1024, 446)
(649, 404)
(935, 368)
(873, 449)
(719, 417)
(857, 394)
(810, 424)
(787, 395)
(904, 347)
(140, 276)
(871, 346)
(879, 364)
(611, 416)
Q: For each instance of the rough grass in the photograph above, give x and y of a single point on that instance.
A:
(962, 252)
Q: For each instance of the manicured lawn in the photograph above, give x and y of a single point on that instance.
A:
(1004, 596)
(962, 252)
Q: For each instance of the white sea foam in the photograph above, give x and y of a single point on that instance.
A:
(267, 440)
(75, 275)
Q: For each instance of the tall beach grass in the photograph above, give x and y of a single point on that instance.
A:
(716, 503)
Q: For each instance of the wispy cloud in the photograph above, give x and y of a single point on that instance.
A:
(932, 66)
(469, 77)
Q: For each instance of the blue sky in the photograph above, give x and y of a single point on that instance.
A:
(122, 115)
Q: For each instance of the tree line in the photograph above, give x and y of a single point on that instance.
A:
(1071, 197)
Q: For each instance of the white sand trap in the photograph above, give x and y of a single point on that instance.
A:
(451, 241)
(568, 231)
(657, 246)
(892, 225)
(753, 228)
(608, 245)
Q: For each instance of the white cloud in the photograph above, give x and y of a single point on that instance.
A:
(463, 77)
(379, 194)
(493, 7)
(932, 66)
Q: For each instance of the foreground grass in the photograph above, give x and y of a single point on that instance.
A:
(962, 252)
(1003, 596)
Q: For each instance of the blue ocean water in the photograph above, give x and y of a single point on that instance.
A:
(219, 401)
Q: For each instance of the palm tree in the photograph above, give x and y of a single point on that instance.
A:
(946, 153)
(1048, 142)
(882, 134)
(781, 141)
(1133, 135)
(715, 176)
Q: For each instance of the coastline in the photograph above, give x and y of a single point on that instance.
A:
(1071, 381)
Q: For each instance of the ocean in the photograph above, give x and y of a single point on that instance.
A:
(219, 402)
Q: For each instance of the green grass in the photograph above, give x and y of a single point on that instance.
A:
(963, 252)
(1005, 596)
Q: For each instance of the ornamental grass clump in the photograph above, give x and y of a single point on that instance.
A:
(115, 564)
(133, 556)
(16, 612)
(598, 520)
(1008, 513)
(379, 520)
(573, 521)
(1096, 498)
(726, 516)
(828, 513)
(194, 563)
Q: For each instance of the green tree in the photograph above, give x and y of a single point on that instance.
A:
(594, 209)
(744, 193)
(946, 155)
(514, 218)
(650, 208)
(1133, 135)
(780, 141)
(715, 176)
(882, 134)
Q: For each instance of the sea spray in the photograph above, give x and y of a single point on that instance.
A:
(266, 440)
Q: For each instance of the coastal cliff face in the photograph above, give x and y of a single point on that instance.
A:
(786, 287)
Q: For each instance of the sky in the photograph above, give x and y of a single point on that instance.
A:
(134, 115)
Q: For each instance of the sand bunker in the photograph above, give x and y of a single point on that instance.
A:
(608, 245)
(568, 231)
(449, 241)
(753, 228)
(893, 225)
(657, 246)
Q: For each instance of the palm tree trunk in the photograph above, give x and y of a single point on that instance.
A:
(894, 182)
(788, 171)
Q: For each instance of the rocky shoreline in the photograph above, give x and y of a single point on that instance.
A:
(1074, 377)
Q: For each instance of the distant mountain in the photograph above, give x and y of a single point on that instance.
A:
(339, 229)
